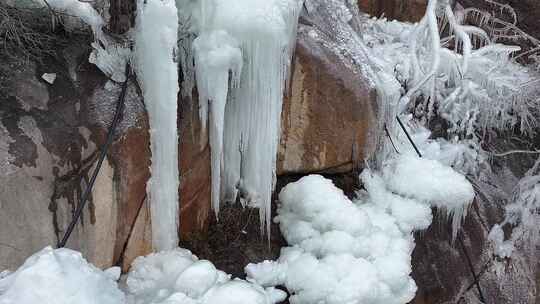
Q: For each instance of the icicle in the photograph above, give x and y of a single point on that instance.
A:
(216, 53)
(155, 47)
(243, 162)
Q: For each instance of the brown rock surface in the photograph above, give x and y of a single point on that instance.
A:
(195, 175)
(139, 242)
(327, 113)
(132, 160)
(50, 137)
(402, 10)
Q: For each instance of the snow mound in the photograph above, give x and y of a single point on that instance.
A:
(60, 276)
(343, 251)
(431, 182)
(428, 181)
(340, 251)
(177, 276)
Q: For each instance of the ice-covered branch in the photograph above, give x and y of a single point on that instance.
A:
(429, 24)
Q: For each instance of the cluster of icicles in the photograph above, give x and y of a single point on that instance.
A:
(251, 41)
(242, 52)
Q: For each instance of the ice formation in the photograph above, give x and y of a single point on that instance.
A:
(253, 40)
(155, 46)
(60, 276)
(358, 252)
(461, 92)
(177, 276)
(428, 180)
(424, 179)
(522, 213)
(216, 54)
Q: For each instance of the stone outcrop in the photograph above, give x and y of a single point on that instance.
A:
(44, 151)
(327, 113)
(53, 132)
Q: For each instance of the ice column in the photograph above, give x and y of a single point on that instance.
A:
(157, 72)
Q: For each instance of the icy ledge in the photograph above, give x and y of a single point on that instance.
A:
(358, 252)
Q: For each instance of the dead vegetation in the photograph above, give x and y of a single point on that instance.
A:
(26, 33)
(34, 33)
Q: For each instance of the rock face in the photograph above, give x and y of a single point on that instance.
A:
(327, 113)
(52, 132)
(122, 14)
(50, 135)
(402, 10)
(44, 150)
(195, 178)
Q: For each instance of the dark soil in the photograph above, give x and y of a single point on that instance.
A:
(235, 240)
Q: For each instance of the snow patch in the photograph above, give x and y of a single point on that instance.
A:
(49, 77)
(343, 251)
(177, 276)
(339, 251)
(430, 181)
(60, 276)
